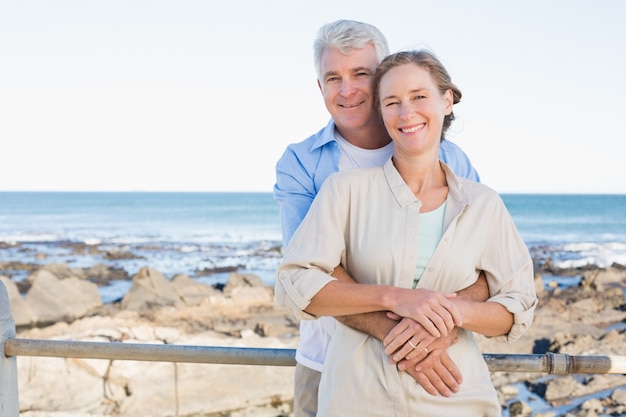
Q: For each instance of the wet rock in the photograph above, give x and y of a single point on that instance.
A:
(561, 388)
(217, 270)
(103, 274)
(520, 409)
(120, 254)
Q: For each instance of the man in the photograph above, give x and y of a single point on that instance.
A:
(346, 54)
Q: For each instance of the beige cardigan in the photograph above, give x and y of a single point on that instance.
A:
(367, 221)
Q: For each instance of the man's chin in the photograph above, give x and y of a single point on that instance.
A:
(350, 123)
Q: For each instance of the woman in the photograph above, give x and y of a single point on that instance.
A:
(411, 233)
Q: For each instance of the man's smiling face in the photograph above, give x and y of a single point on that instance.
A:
(347, 85)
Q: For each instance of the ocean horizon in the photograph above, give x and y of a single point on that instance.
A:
(207, 234)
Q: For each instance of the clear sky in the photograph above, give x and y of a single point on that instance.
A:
(182, 95)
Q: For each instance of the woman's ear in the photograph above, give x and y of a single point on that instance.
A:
(449, 100)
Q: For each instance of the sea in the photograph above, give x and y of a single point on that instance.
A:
(208, 235)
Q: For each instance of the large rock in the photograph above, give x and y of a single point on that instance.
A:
(62, 270)
(249, 290)
(51, 299)
(61, 384)
(191, 292)
(20, 311)
(604, 279)
(162, 389)
(150, 289)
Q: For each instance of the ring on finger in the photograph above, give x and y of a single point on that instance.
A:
(426, 350)
(411, 344)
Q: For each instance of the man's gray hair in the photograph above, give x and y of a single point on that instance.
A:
(346, 36)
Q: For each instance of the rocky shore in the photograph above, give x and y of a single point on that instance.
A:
(62, 303)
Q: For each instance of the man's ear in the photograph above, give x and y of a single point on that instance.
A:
(320, 86)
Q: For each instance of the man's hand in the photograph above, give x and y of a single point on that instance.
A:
(437, 373)
(409, 338)
(429, 363)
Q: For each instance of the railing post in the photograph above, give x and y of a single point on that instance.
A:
(9, 404)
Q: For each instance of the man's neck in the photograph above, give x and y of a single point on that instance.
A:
(370, 137)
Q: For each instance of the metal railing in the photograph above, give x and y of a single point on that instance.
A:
(12, 347)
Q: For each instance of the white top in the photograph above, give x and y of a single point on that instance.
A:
(355, 157)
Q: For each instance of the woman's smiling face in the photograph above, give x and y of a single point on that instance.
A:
(412, 108)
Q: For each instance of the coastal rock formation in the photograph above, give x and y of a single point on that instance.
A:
(150, 289)
(21, 312)
(51, 299)
(587, 319)
(134, 388)
(194, 314)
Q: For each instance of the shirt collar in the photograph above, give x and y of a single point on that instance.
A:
(405, 197)
(325, 136)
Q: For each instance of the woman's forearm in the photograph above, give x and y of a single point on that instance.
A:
(431, 309)
(340, 298)
(487, 318)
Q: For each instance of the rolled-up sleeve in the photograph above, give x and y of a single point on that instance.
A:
(316, 248)
(510, 273)
(295, 287)
(521, 301)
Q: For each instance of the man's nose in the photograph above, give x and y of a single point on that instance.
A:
(347, 87)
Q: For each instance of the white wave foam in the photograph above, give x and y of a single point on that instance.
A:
(26, 237)
(188, 249)
(589, 253)
(577, 263)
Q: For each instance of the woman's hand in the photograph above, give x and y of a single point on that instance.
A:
(407, 340)
(433, 310)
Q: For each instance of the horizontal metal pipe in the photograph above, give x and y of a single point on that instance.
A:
(554, 363)
(549, 363)
(149, 352)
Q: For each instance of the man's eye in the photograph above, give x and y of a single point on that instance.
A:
(390, 103)
(362, 74)
(331, 79)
